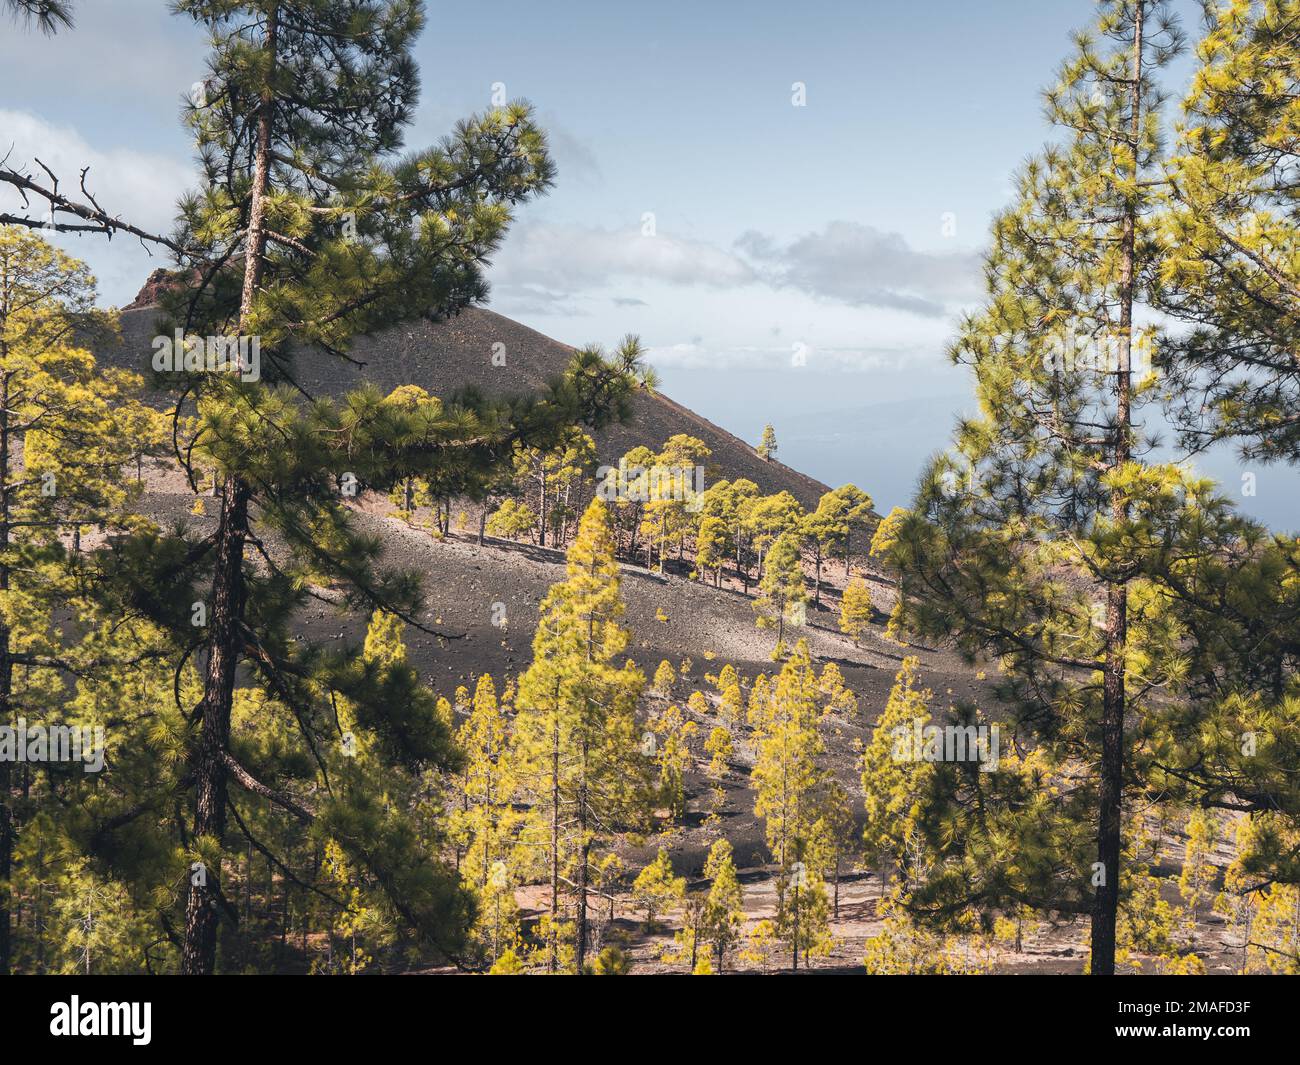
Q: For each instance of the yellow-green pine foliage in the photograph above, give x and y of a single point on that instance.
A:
(1049, 538)
(759, 708)
(579, 744)
(894, 778)
(857, 511)
(487, 820)
(826, 530)
(513, 520)
(730, 502)
(711, 543)
(1232, 269)
(426, 411)
(856, 610)
(724, 678)
(788, 780)
(673, 732)
(73, 436)
(665, 678)
(782, 591)
(839, 698)
(551, 475)
(905, 948)
(1199, 871)
(720, 750)
(656, 891)
(732, 706)
(611, 961)
(724, 912)
(672, 507)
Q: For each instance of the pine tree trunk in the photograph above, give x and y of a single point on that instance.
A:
(553, 960)
(584, 854)
(198, 956)
(1110, 810)
(199, 953)
(837, 885)
(6, 685)
(541, 515)
(794, 967)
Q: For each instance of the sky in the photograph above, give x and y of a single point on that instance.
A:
(786, 202)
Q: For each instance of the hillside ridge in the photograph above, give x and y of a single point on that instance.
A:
(443, 357)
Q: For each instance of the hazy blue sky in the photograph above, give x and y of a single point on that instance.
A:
(777, 229)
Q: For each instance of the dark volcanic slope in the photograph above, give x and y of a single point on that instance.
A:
(446, 356)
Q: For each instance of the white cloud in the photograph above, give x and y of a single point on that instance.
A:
(696, 355)
(570, 259)
(845, 263)
(137, 186)
(859, 265)
(126, 49)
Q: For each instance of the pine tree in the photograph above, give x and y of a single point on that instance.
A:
(673, 757)
(611, 962)
(839, 697)
(711, 547)
(49, 16)
(759, 709)
(670, 512)
(834, 831)
(631, 499)
(1030, 541)
(1233, 234)
(384, 821)
(767, 443)
(857, 511)
(724, 678)
(657, 891)
(578, 734)
(553, 473)
(788, 781)
(411, 492)
(823, 529)
(665, 678)
(893, 787)
(306, 230)
(1198, 870)
(512, 520)
(766, 518)
(724, 910)
(720, 750)
(64, 454)
(856, 610)
(729, 501)
(488, 819)
(783, 594)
